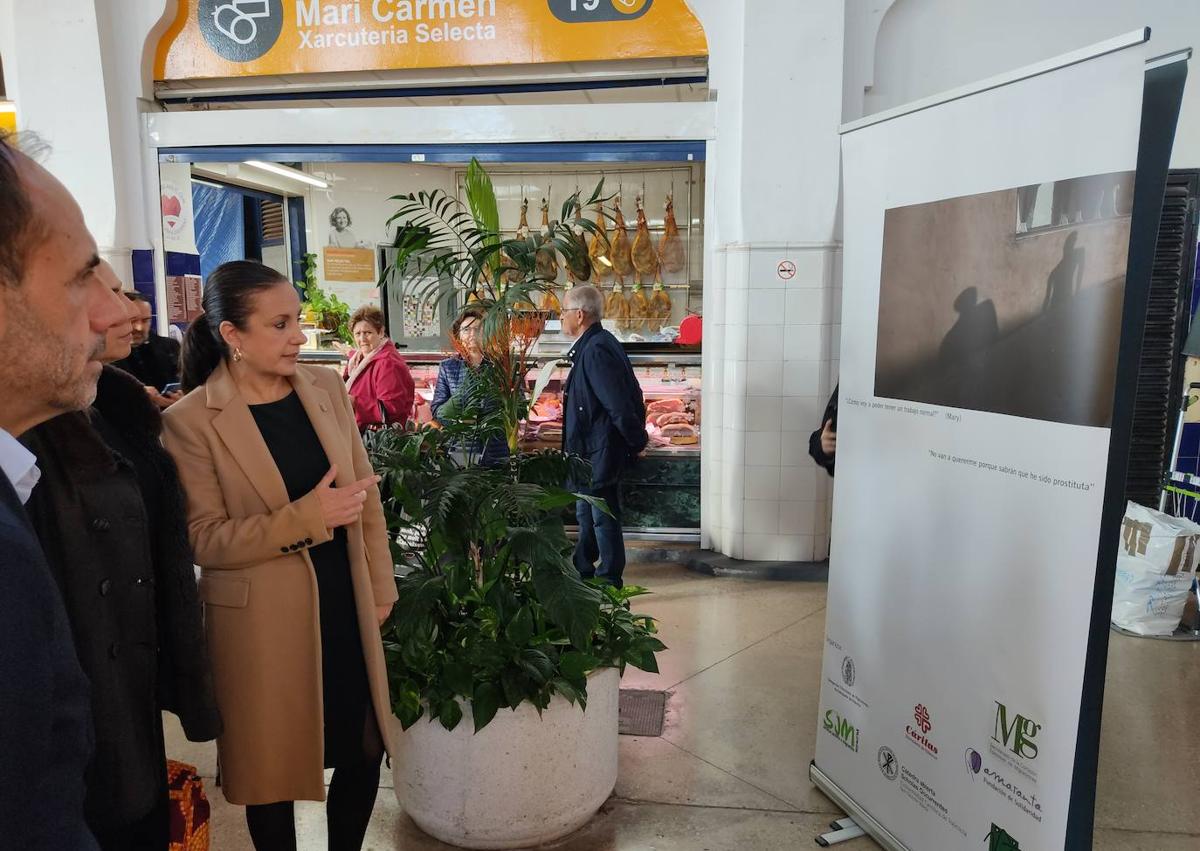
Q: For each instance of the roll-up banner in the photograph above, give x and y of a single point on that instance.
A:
(997, 248)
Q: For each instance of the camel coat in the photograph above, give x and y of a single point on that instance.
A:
(258, 586)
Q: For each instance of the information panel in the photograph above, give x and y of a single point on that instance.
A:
(987, 238)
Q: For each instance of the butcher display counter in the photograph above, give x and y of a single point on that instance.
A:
(661, 493)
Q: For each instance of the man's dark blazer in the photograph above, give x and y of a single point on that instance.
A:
(603, 409)
(45, 716)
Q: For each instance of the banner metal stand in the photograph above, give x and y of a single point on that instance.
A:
(844, 829)
(862, 821)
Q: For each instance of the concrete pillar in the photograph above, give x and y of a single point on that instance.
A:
(771, 338)
(79, 70)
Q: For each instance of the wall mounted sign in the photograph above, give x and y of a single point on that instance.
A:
(175, 199)
(349, 264)
(248, 38)
(184, 296)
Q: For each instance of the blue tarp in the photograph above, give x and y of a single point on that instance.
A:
(220, 226)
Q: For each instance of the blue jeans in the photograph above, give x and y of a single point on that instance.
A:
(600, 537)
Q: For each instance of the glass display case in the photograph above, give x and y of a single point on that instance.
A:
(661, 493)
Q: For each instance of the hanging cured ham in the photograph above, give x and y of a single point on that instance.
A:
(670, 247)
(514, 276)
(600, 247)
(645, 258)
(523, 226)
(523, 324)
(619, 255)
(616, 307)
(660, 305)
(579, 267)
(546, 260)
(639, 308)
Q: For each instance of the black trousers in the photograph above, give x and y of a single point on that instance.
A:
(150, 833)
(348, 807)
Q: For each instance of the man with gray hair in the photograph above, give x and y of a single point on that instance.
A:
(604, 423)
(57, 302)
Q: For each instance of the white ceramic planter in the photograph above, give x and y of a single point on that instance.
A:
(522, 780)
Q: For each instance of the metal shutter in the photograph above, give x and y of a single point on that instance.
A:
(1160, 374)
(273, 231)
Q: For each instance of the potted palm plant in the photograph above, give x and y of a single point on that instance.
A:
(496, 647)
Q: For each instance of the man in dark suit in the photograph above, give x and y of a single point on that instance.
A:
(604, 423)
(56, 306)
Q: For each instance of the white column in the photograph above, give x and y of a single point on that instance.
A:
(81, 75)
(770, 339)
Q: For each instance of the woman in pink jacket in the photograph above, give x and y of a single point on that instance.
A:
(377, 377)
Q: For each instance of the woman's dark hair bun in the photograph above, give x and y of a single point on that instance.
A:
(228, 297)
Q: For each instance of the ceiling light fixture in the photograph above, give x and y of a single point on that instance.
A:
(290, 173)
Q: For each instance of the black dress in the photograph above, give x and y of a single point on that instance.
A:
(302, 463)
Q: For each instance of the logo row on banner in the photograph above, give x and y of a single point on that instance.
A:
(246, 38)
(1005, 764)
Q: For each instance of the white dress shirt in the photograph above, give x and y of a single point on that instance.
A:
(19, 466)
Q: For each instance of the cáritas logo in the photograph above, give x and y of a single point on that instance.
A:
(841, 729)
(920, 736)
(1018, 735)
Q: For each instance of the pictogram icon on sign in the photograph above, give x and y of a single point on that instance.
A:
(240, 30)
(787, 270)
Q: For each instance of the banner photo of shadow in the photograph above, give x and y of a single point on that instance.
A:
(1007, 302)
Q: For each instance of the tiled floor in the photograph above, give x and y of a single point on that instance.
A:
(730, 771)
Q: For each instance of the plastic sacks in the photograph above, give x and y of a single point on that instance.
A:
(1155, 569)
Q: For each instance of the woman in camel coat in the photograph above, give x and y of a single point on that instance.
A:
(286, 522)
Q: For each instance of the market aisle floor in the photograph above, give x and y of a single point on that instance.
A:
(730, 771)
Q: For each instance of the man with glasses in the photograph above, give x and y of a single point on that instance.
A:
(604, 423)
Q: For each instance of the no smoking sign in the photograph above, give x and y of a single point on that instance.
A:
(786, 270)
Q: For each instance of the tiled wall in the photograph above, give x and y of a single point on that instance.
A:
(771, 349)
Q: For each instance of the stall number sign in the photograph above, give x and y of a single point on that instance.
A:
(239, 38)
(582, 11)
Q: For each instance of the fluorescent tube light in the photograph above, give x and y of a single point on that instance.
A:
(290, 173)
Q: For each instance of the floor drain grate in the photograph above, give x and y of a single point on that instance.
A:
(641, 712)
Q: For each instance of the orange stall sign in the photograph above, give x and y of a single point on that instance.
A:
(249, 38)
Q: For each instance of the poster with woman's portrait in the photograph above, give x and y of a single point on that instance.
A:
(341, 235)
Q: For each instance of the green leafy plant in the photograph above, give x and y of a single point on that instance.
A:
(332, 313)
(439, 239)
(492, 612)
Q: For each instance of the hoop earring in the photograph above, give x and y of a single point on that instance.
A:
(237, 355)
